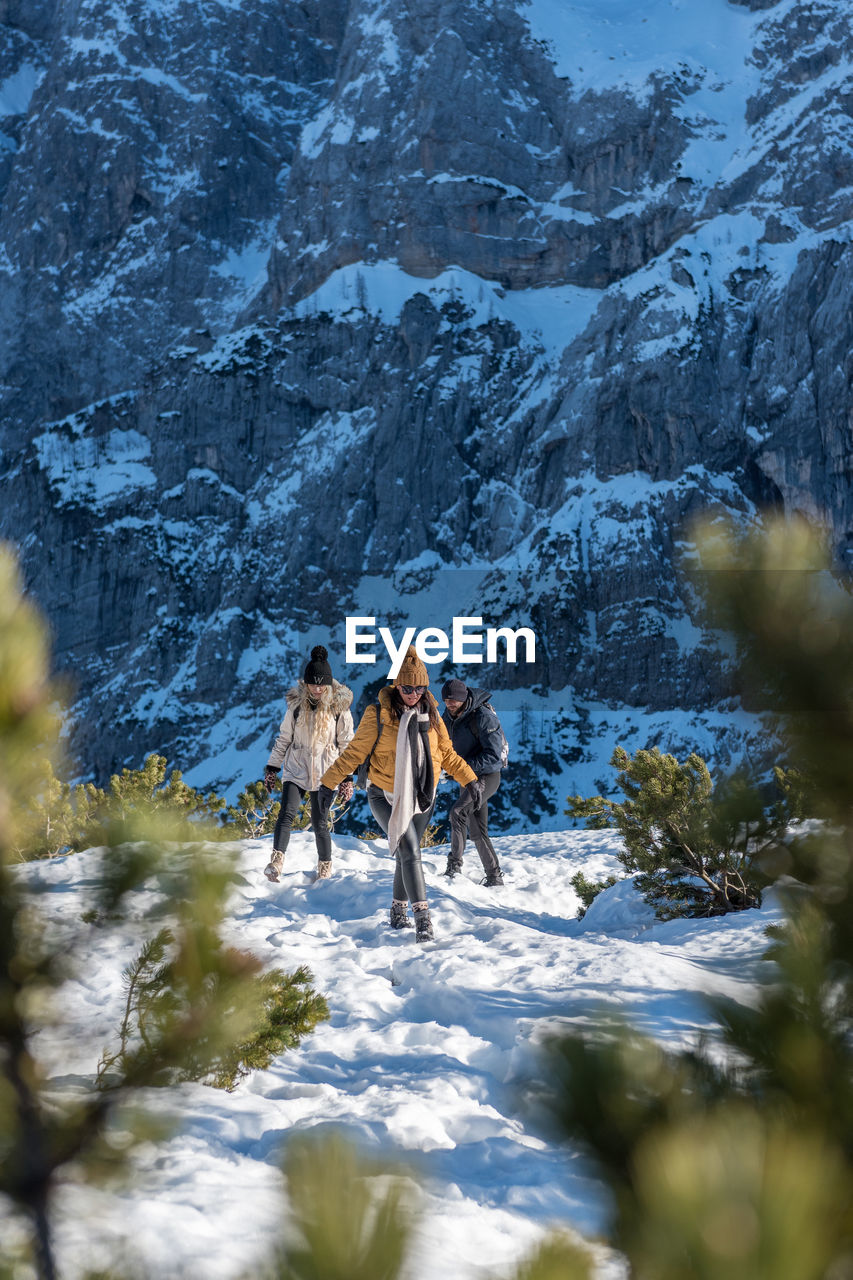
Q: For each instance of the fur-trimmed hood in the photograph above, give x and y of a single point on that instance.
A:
(341, 697)
(308, 744)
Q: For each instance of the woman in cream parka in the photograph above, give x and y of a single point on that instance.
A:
(316, 728)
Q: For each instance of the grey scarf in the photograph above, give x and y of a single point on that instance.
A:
(414, 783)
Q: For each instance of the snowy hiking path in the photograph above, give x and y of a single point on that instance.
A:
(424, 1059)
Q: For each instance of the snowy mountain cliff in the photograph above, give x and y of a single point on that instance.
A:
(414, 311)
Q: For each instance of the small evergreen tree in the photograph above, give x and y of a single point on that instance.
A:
(674, 838)
(159, 1000)
(52, 825)
(255, 813)
(696, 849)
(146, 790)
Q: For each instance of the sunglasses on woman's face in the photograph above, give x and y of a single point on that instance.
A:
(413, 688)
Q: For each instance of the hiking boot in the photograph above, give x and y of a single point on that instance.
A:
(324, 870)
(493, 879)
(453, 868)
(272, 870)
(400, 916)
(423, 926)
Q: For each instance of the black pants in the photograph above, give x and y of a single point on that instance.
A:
(462, 813)
(291, 802)
(408, 872)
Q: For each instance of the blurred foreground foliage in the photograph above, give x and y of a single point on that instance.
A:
(739, 1166)
(354, 1218)
(196, 1009)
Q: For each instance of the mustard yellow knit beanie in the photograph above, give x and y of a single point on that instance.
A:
(413, 670)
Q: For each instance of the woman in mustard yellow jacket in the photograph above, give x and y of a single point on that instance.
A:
(408, 747)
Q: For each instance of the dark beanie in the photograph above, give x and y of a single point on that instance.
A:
(455, 689)
(318, 670)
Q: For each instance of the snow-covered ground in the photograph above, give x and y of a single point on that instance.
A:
(424, 1060)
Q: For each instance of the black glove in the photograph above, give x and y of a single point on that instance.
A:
(270, 778)
(325, 796)
(474, 791)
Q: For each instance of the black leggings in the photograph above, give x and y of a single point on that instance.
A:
(291, 801)
(408, 872)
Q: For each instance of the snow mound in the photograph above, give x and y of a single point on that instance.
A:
(619, 910)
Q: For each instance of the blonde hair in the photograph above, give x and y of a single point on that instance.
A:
(322, 716)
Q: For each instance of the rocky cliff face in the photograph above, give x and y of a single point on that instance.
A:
(413, 310)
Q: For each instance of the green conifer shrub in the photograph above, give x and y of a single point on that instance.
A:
(289, 1009)
(696, 849)
(255, 813)
(62, 819)
(158, 1000)
(58, 818)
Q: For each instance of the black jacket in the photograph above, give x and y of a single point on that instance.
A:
(476, 733)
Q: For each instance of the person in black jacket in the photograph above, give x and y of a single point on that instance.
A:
(477, 737)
